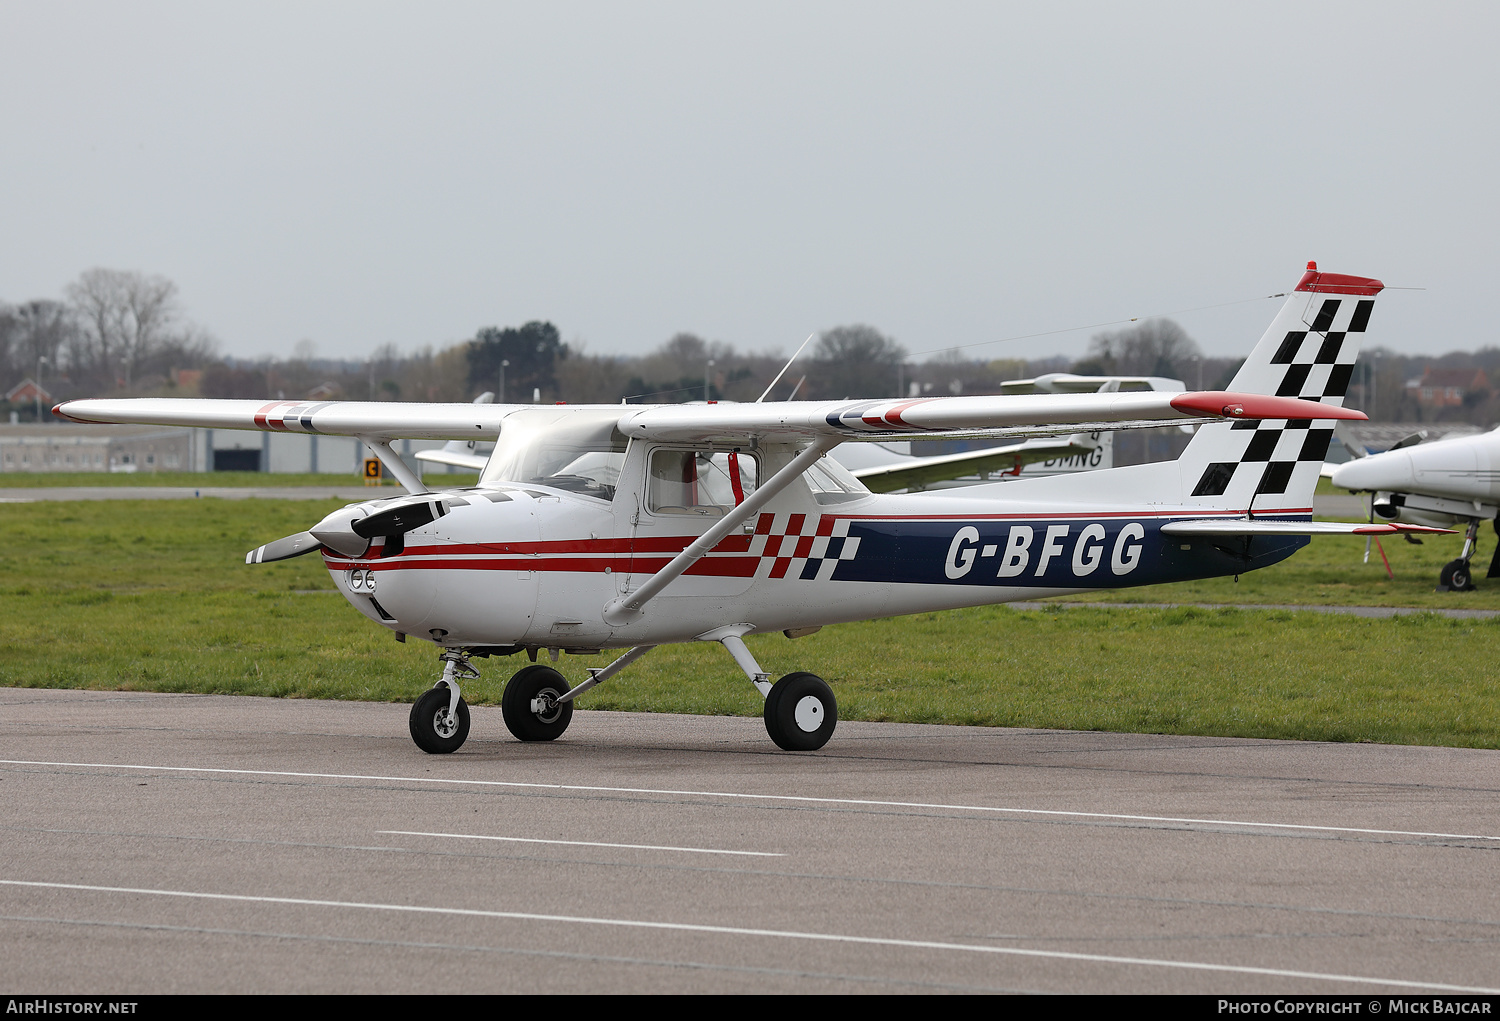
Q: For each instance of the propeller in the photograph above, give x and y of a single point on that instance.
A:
(349, 530)
(284, 549)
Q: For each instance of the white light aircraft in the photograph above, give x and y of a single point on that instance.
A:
(1446, 482)
(610, 527)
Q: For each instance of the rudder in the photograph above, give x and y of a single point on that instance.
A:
(1308, 351)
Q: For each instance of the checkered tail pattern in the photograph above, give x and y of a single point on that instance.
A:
(1308, 352)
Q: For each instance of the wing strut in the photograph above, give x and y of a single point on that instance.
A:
(394, 464)
(627, 608)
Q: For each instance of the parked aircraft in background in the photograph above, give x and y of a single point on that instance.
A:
(603, 527)
(1443, 483)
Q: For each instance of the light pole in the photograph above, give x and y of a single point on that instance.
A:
(504, 364)
(40, 361)
(707, 371)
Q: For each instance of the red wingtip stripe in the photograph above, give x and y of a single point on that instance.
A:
(1233, 405)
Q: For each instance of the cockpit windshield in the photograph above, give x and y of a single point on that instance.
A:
(578, 451)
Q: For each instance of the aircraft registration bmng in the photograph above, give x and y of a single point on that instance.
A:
(628, 526)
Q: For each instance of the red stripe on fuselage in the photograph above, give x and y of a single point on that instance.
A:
(1185, 515)
(721, 567)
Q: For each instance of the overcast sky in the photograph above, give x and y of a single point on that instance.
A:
(951, 173)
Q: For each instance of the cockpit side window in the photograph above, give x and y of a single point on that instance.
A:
(703, 482)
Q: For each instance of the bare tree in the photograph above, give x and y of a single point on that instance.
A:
(31, 333)
(856, 361)
(1156, 347)
(126, 318)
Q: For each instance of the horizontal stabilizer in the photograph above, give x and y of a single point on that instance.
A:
(459, 458)
(284, 549)
(1267, 526)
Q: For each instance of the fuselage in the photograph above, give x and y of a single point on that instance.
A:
(1466, 468)
(1439, 483)
(523, 565)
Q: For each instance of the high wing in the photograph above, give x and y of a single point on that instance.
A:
(843, 421)
(461, 453)
(374, 419)
(833, 421)
(920, 471)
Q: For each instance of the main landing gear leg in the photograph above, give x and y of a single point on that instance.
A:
(440, 717)
(800, 711)
(538, 704)
(1455, 575)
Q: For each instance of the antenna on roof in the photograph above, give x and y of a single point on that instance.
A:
(788, 365)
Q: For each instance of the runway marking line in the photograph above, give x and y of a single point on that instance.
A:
(583, 843)
(791, 934)
(799, 798)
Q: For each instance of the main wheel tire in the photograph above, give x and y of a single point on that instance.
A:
(530, 683)
(1455, 577)
(432, 727)
(801, 712)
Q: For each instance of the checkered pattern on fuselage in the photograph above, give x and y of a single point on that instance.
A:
(805, 546)
(1312, 348)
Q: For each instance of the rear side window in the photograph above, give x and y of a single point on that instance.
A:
(702, 482)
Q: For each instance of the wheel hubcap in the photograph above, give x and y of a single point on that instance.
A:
(809, 713)
(444, 724)
(550, 708)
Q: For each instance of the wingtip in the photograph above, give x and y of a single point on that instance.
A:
(1224, 404)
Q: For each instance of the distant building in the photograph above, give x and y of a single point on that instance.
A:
(1447, 388)
(186, 379)
(26, 391)
(58, 448)
(68, 447)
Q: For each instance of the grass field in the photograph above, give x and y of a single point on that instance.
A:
(155, 596)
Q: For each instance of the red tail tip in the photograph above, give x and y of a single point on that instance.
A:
(1312, 267)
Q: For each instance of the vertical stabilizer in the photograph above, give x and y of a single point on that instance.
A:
(1272, 465)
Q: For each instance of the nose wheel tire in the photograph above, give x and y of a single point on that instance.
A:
(801, 713)
(1455, 577)
(434, 729)
(530, 706)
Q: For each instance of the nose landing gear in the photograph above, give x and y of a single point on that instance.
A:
(1455, 575)
(440, 717)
